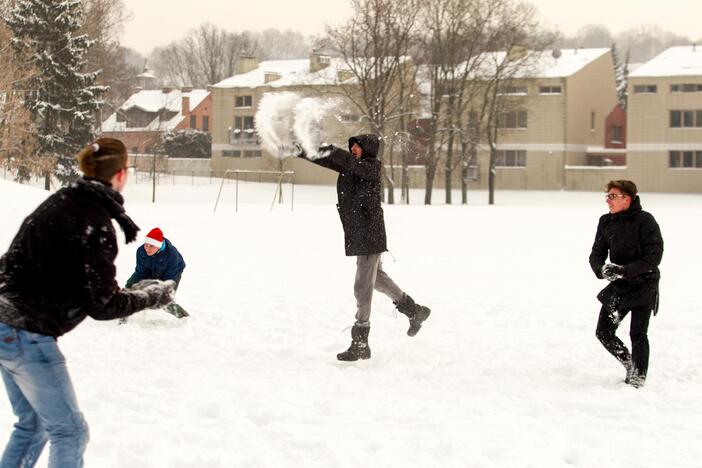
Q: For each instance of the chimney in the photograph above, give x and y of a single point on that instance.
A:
(246, 63)
(185, 108)
(318, 61)
(166, 90)
(270, 76)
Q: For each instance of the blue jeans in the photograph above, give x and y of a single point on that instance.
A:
(42, 397)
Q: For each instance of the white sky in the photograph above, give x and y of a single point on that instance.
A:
(158, 22)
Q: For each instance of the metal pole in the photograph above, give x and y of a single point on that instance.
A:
(236, 209)
(220, 191)
(292, 193)
(277, 187)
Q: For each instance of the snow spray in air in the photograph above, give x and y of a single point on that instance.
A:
(285, 119)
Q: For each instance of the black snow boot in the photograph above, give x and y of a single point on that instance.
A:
(415, 312)
(359, 348)
(629, 366)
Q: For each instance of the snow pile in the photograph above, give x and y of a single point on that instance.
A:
(506, 373)
(285, 119)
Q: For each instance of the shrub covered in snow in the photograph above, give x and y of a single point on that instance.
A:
(188, 143)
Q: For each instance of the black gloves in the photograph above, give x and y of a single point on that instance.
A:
(612, 272)
(325, 150)
(156, 293)
(301, 153)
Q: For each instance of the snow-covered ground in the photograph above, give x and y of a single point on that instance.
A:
(507, 371)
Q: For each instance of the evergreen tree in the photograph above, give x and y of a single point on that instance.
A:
(621, 75)
(61, 98)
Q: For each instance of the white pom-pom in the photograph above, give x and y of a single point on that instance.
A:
(95, 147)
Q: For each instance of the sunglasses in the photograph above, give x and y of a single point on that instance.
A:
(613, 196)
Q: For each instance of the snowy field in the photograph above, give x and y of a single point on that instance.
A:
(507, 371)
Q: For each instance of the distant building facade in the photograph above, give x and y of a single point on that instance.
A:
(147, 114)
(665, 122)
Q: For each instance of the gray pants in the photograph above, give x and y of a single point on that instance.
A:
(370, 276)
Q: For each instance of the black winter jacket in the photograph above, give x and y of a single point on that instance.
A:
(358, 191)
(60, 265)
(633, 240)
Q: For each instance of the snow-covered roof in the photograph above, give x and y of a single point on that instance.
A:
(154, 101)
(291, 73)
(556, 63)
(676, 61)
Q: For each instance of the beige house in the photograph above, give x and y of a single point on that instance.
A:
(555, 123)
(235, 142)
(665, 122)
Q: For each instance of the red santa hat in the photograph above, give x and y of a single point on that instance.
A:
(154, 237)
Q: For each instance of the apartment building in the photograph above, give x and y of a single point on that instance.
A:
(235, 141)
(553, 135)
(665, 122)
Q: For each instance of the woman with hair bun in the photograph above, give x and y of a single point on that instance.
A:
(59, 270)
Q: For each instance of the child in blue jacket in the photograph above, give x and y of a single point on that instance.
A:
(158, 259)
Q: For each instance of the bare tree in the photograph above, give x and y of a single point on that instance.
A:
(274, 44)
(206, 55)
(458, 34)
(17, 133)
(374, 44)
(103, 22)
(518, 44)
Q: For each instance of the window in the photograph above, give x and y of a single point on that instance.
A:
(515, 119)
(243, 101)
(514, 90)
(648, 89)
(549, 90)
(243, 128)
(252, 154)
(231, 154)
(617, 133)
(685, 118)
(592, 121)
(205, 123)
(510, 158)
(686, 88)
(193, 121)
(244, 123)
(685, 159)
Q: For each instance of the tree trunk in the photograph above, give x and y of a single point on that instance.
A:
(448, 170)
(492, 175)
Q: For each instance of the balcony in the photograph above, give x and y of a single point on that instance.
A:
(244, 137)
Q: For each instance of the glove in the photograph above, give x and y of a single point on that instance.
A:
(158, 293)
(612, 272)
(142, 284)
(325, 150)
(301, 153)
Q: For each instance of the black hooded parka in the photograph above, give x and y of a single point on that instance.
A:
(359, 194)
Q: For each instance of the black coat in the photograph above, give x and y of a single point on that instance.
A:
(60, 265)
(358, 190)
(633, 240)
